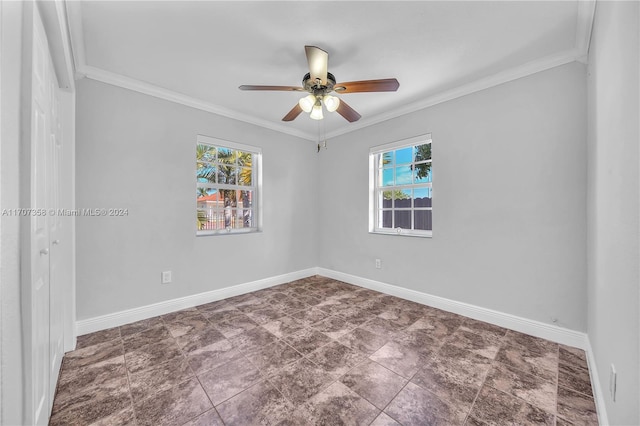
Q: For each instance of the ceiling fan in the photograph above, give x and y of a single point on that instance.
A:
(319, 83)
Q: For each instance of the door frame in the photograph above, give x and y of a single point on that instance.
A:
(17, 387)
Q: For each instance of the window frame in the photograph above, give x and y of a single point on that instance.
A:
(374, 188)
(255, 187)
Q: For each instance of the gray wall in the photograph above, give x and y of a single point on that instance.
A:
(613, 295)
(138, 152)
(509, 200)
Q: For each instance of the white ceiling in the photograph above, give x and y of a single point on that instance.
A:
(198, 53)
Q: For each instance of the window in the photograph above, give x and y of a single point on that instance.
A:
(227, 189)
(401, 187)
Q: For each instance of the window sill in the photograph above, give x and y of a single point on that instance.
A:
(225, 232)
(405, 233)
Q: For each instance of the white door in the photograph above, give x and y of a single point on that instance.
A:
(48, 292)
(40, 153)
(57, 287)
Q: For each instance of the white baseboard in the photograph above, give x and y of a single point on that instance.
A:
(598, 396)
(523, 325)
(116, 319)
(534, 328)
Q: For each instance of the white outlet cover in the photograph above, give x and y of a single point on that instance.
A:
(166, 277)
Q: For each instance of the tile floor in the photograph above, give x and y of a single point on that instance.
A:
(320, 352)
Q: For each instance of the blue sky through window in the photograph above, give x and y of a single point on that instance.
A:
(387, 177)
(399, 172)
(404, 155)
(403, 175)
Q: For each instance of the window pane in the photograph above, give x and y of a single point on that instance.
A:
(232, 168)
(403, 175)
(232, 177)
(224, 174)
(402, 180)
(244, 205)
(225, 155)
(244, 158)
(386, 217)
(245, 176)
(423, 152)
(244, 199)
(387, 177)
(422, 220)
(209, 208)
(422, 197)
(235, 220)
(205, 153)
(228, 198)
(205, 195)
(224, 208)
(238, 218)
(404, 155)
(422, 173)
(241, 218)
(402, 198)
(385, 199)
(402, 219)
(387, 158)
(210, 219)
(206, 172)
(247, 218)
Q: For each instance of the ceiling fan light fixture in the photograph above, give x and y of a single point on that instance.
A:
(331, 102)
(307, 103)
(316, 112)
(319, 82)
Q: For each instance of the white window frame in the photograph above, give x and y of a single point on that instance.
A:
(255, 187)
(374, 186)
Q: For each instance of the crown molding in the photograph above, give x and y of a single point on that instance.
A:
(460, 91)
(169, 95)
(584, 24)
(76, 36)
(584, 27)
(82, 70)
(54, 19)
(515, 73)
(70, 69)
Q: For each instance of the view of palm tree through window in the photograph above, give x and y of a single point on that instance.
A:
(403, 188)
(225, 188)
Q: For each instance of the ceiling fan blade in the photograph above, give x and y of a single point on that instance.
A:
(347, 112)
(291, 115)
(277, 88)
(384, 85)
(318, 61)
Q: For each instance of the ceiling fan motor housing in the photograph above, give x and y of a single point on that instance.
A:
(323, 83)
(316, 87)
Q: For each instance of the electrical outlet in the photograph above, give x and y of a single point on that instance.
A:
(378, 264)
(613, 376)
(166, 277)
